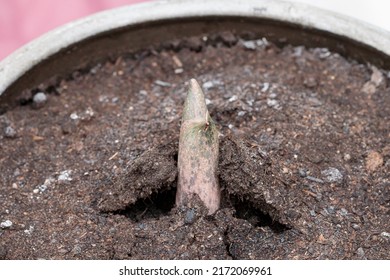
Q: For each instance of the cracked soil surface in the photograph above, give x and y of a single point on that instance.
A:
(90, 171)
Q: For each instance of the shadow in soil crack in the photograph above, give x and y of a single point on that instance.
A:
(147, 189)
(161, 203)
(247, 211)
(157, 205)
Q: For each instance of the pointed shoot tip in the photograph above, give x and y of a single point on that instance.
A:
(195, 105)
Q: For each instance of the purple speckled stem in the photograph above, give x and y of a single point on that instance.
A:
(198, 152)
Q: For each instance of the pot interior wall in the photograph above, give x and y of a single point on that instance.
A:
(133, 38)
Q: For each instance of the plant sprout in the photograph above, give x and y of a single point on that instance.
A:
(198, 152)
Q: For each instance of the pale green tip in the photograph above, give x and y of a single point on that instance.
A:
(195, 105)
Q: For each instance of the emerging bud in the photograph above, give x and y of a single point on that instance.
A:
(198, 152)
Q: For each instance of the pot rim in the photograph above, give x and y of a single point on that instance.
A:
(28, 56)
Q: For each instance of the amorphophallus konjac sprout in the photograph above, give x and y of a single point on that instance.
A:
(198, 152)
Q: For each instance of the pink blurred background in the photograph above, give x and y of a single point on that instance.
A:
(24, 20)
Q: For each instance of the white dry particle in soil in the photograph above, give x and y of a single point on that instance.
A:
(39, 97)
(6, 224)
(65, 176)
(332, 175)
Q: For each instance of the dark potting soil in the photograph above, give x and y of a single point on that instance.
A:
(89, 168)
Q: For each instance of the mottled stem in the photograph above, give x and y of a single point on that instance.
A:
(198, 152)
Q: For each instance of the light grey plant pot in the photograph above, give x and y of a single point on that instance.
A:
(130, 28)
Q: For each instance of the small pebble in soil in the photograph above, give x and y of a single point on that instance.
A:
(265, 87)
(374, 160)
(9, 132)
(272, 103)
(6, 224)
(29, 230)
(343, 212)
(376, 77)
(190, 216)
(322, 52)
(314, 102)
(273, 95)
(112, 231)
(233, 98)
(208, 85)
(74, 116)
(39, 99)
(77, 250)
(249, 45)
(65, 176)
(298, 51)
(103, 98)
(332, 175)
(141, 226)
(162, 83)
(16, 172)
(360, 252)
(331, 210)
(87, 115)
(347, 157)
(385, 234)
(177, 61)
(355, 226)
(43, 187)
(263, 42)
(302, 172)
(369, 88)
(95, 69)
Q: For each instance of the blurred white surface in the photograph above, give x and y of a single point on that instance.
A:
(375, 12)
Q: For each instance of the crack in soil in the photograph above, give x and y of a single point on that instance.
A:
(257, 217)
(228, 243)
(137, 198)
(153, 207)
